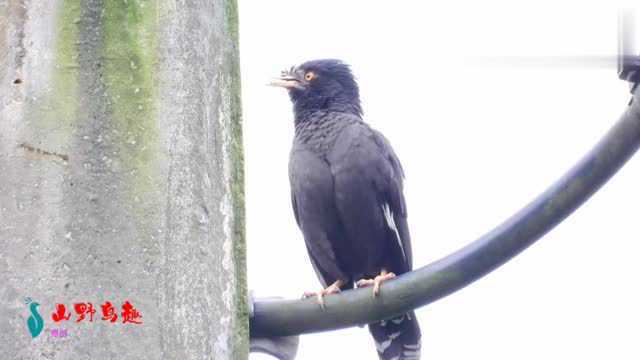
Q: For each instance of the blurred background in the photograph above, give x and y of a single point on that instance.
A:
(486, 105)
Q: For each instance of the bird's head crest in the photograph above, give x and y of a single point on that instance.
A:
(321, 85)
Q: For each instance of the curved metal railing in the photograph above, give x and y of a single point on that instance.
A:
(451, 273)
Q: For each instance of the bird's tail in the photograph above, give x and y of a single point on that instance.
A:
(397, 338)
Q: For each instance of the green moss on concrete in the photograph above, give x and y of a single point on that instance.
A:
(241, 331)
(232, 21)
(129, 53)
(64, 95)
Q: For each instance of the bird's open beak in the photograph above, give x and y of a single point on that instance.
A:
(288, 80)
(287, 83)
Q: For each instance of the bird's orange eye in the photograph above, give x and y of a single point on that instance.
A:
(309, 76)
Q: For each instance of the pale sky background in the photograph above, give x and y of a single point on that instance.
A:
(477, 143)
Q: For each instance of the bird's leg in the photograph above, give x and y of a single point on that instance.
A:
(384, 276)
(331, 289)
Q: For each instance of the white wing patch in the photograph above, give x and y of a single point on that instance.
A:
(388, 215)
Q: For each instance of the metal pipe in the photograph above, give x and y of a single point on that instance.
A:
(449, 274)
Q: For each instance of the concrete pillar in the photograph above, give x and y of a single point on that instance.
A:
(121, 179)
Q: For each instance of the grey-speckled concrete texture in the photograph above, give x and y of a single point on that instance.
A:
(121, 178)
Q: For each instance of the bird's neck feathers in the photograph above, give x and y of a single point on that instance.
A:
(320, 129)
(307, 108)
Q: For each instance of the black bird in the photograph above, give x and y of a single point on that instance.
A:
(346, 191)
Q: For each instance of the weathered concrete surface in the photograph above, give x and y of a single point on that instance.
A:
(121, 177)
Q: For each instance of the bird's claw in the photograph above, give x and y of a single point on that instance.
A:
(318, 295)
(333, 289)
(384, 276)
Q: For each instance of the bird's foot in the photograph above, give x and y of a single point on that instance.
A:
(332, 289)
(384, 276)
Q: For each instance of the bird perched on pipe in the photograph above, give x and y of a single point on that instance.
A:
(347, 195)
